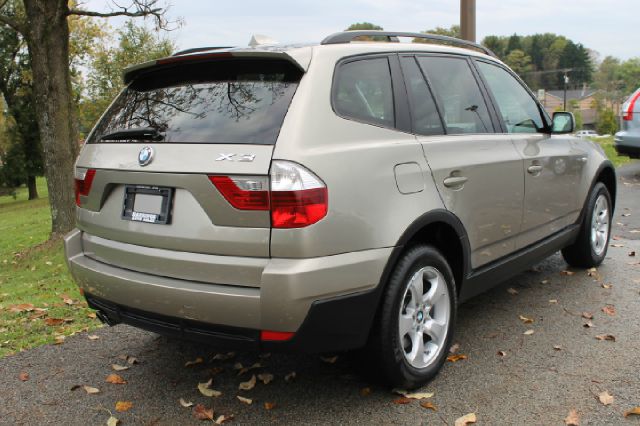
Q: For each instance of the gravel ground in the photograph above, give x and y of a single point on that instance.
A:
(534, 383)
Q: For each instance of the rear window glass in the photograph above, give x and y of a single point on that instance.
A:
(234, 102)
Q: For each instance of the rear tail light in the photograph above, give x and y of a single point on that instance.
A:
(275, 336)
(628, 113)
(296, 198)
(83, 180)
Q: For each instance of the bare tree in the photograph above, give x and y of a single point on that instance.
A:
(45, 28)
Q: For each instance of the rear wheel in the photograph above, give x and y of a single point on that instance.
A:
(416, 320)
(590, 247)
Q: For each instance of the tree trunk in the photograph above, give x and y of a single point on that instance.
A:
(33, 189)
(47, 35)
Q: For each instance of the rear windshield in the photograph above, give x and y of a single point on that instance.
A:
(231, 101)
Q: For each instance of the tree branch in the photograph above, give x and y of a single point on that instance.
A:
(136, 14)
(137, 9)
(5, 20)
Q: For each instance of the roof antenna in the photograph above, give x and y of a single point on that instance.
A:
(260, 39)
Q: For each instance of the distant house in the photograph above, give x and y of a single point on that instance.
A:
(586, 103)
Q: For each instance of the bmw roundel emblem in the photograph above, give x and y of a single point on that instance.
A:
(145, 156)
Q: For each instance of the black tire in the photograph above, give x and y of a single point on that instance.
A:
(581, 253)
(385, 347)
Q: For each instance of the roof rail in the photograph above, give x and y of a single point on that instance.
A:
(200, 49)
(349, 36)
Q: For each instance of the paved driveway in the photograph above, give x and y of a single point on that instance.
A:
(541, 377)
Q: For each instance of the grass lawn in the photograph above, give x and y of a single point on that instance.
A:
(607, 145)
(33, 273)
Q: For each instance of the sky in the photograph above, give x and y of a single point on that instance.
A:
(608, 26)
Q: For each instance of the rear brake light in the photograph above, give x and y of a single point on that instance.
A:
(628, 114)
(297, 198)
(278, 336)
(83, 179)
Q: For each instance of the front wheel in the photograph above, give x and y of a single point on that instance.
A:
(590, 248)
(416, 319)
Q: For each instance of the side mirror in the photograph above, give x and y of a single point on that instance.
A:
(563, 122)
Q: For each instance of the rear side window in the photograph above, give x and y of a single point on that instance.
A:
(456, 89)
(232, 101)
(363, 91)
(424, 114)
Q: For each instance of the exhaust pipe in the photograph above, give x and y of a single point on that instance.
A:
(104, 318)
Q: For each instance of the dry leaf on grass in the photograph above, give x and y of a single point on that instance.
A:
(198, 360)
(117, 367)
(456, 357)
(91, 390)
(115, 379)
(605, 398)
(572, 419)
(206, 391)
(23, 376)
(265, 378)
(23, 307)
(249, 384)
(112, 421)
(201, 412)
(466, 419)
(525, 319)
(122, 406)
(53, 322)
(429, 405)
(529, 332)
(609, 310)
(609, 337)
(269, 405)
(634, 411)
(67, 300)
(185, 404)
(244, 400)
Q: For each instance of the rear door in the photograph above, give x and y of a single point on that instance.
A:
(553, 164)
(181, 158)
(477, 171)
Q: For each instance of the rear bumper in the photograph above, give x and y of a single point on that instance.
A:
(627, 144)
(329, 302)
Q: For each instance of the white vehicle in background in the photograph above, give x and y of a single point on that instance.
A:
(586, 134)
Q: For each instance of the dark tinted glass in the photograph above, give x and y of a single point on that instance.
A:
(424, 114)
(215, 102)
(363, 91)
(519, 111)
(457, 91)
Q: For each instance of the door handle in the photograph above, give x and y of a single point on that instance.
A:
(456, 182)
(534, 169)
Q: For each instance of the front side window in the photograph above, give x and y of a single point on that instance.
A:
(454, 85)
(519, 111)
(363, 91)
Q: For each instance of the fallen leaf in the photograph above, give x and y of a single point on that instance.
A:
(23, 307)
(269, 405)
(587, 315)
(502, 354)
(454, 348)
(185, 404)
(634, 411)
(223, 357)
(52, 322)
(588, 324)
(265, 378)
(206, 391)
(544, 282)
(592, 272)
(626, 214)
(223, 419)
(93, 337)
(529, 332)
(67, 300)
(201, 412)
(249, 384)
(402, 400)
(610, 337)
(92, 315)
(23, 376)
(58, 340)
(632, 253)
(609, 310)
(91, 390)
(429, 405)
(553, 300)
(215, 370)
(512, 291)
(115, 379)
(238, 366)
(117, 367)
(605, 398)
(617, 245)
(606, 285)
(466, 419)
(572, 419)
(456, 357)
(122, 406)
(557, 347)
(132, 360)
(525, 319)
(329, 360)
(112, 421)
(569, 273)
(198, 360)
(290, 377)
(244, 400)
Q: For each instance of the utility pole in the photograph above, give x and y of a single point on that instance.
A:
(566, 82)
(468, 20)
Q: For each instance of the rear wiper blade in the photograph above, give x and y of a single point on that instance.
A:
(138, 133)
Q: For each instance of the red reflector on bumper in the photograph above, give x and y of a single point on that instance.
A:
(276, 335)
